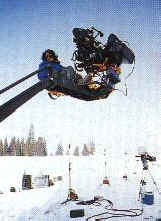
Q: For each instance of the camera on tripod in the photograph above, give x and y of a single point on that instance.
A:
(145, 157)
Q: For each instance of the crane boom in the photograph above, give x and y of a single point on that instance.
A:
(21, 80)
(10, 106)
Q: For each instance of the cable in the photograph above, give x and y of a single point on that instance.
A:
(130, 71)
(124, 92)
(126, 213)
(89, 202)
(110, 211)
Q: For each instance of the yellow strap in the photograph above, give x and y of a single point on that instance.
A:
(56, 93)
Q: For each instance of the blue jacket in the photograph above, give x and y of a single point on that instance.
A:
(44, 74)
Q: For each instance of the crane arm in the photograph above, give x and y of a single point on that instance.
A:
(10, 106)
(21, 80)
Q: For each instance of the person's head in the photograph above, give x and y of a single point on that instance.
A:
(50, 55)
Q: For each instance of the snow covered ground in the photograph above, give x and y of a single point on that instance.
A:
(87, 174)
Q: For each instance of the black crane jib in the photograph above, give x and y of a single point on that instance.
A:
(10, 106)
(21, 80)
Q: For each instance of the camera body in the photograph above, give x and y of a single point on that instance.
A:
(145, 157)
(90, 51)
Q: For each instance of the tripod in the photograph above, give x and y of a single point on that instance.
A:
(72, 196)
(145, 173)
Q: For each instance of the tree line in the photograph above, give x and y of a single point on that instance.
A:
(38, 147)
(87, 150)
(21, 147)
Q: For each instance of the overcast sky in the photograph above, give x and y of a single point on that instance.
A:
(120, 123)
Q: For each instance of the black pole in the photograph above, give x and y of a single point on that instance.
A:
(10, 106)
(69, 197)
(20, 80)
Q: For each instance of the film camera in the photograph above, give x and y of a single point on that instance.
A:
(145, 157)
(91, 51)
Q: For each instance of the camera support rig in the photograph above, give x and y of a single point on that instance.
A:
(91, 56)
(145, 157)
